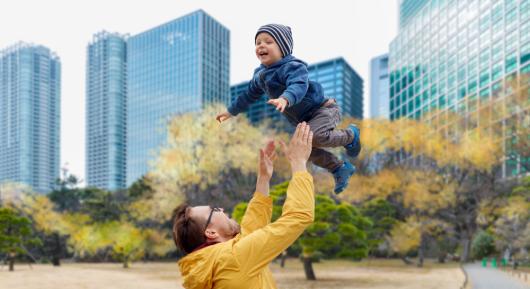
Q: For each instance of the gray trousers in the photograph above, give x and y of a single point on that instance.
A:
(323, 124)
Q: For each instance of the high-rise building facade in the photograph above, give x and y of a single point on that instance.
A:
(180, 66)
(106, 111)
(379, 87)
(455, 55)
(338, 79)
(30, 92)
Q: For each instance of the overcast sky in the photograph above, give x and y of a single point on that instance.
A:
(354, 29)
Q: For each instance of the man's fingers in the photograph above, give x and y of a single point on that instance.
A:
(306, 133)
(284, 147)
(269, 147)
(303, 129)
(310, 139)
(298, 132)
(273, 156)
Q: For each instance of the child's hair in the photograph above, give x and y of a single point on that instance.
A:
(281, 34)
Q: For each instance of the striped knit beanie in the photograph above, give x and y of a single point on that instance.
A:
(281, 34)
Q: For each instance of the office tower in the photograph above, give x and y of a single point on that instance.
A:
(379, 87)
(30, 92)
(177, 67)
(106, 111)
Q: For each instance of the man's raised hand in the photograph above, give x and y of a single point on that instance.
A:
(299, 148)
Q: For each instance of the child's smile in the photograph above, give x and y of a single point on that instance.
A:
(267, 50)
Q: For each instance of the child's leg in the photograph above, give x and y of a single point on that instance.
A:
(325, 159)
(323, 124)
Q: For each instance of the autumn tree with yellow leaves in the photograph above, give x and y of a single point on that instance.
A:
(205, 162)
(441, 170)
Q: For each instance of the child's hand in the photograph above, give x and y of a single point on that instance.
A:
(223, 116)
(279, 102)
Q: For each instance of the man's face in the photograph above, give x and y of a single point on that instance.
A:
(220, 223)
(267, 50)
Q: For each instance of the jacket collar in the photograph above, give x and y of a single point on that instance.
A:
(280, 62)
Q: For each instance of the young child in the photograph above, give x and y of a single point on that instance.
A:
(285, 80)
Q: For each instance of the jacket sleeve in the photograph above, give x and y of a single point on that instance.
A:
(297, 83)
(256, 250)
(258, 214)
(242, 102)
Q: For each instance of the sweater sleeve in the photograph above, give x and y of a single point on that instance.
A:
(244, 100)
(257, 215)
(256, 250)
(297, 83)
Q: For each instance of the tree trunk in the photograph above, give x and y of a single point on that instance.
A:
(406, 260)
(56, 254)
(11, 260)
(466, 244)
(283, 258)
(421, 251)
(308, 268)
(126, 263)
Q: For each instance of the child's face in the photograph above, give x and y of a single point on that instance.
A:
(267, 50)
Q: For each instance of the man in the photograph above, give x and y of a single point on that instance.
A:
(221, 254)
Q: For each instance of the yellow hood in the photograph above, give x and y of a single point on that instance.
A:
(197, 268)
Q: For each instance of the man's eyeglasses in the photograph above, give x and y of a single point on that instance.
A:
(214, 209)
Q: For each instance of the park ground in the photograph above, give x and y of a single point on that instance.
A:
(374, 274)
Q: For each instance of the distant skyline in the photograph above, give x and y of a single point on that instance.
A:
(356, 30)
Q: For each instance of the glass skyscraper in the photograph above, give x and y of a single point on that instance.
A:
(455, 55)
(177, 67)
(379, 87)
(30, 82)
(106, 88)
(338, 80)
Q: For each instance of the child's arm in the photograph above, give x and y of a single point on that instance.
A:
(297, 83)
(251, 95)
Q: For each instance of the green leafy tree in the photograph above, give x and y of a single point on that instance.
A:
(100, 204)
(339, 230)
(15, 235)
(483, 245)
(383, 215)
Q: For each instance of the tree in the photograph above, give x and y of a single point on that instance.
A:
(384, 216)
(513, 219)
(339, 230)
(15, 235)
(483, 245)
(205, 162)
(100, 204)
(126, 241)
(48, 224)
(464, 151)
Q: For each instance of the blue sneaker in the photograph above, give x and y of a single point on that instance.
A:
(354, 148)
(342, 176)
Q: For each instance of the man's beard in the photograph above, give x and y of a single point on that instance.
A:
(236, 229)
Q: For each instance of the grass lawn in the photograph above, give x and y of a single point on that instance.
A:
(375, 274)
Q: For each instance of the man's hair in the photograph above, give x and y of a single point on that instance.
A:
(188, 233)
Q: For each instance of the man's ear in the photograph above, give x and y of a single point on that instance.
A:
(211, 234)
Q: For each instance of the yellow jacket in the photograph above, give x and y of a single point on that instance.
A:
(242, 262)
